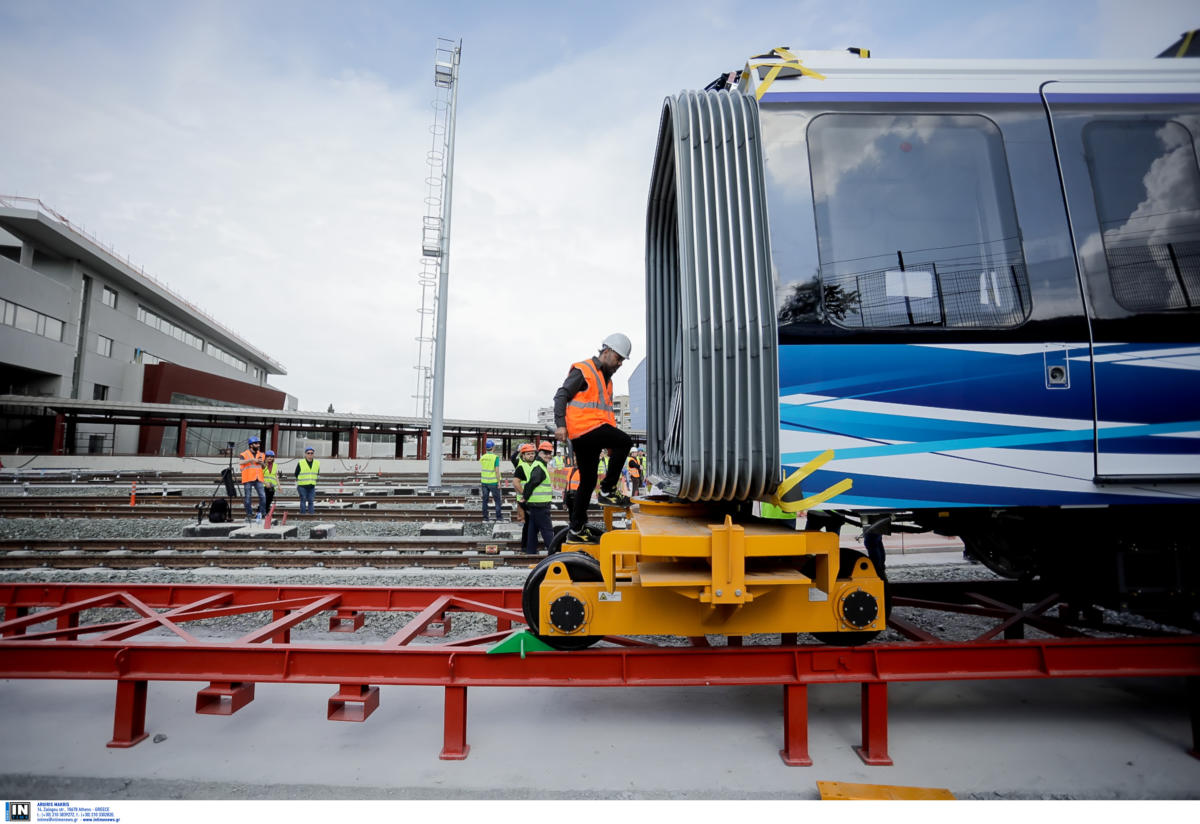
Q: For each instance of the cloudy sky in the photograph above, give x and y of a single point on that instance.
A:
(266, 159)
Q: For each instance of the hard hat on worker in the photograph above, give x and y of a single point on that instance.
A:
(618, 343)
(490, 443)
(526, 447)
(252, 440)
(545, 446)
(270, 453)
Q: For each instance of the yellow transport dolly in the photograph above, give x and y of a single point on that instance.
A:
(688, 569)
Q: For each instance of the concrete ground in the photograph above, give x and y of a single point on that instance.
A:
(1047, 739)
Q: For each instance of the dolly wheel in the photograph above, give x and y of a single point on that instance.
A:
(581, 567)
(847, 560)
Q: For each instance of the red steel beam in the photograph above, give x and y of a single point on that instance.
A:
(607, 667)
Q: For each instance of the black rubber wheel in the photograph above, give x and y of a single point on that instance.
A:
(580, 567)
(847, 559)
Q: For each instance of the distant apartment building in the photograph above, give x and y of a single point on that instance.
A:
(79, 322)
(545, 414)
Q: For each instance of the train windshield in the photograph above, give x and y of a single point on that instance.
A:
(916, 224)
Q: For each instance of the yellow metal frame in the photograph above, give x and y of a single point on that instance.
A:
(673, 572)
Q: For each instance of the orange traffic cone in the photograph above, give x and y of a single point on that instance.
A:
(133, 494)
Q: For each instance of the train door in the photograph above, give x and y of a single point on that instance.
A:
(1128, 163)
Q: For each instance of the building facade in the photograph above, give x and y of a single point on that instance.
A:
(79, 322)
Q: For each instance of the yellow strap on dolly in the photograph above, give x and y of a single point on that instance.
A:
(800, 474)
(790, 62)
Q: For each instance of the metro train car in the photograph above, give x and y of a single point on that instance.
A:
(977, 282)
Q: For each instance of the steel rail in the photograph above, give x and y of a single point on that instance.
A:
(329, 559)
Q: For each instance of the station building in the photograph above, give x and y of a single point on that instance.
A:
(79, 322)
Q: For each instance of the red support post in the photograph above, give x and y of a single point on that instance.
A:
(129, 719)
(455, 747)
(12, 614)
(422, 446)
(874, 725)
(181, 446)
(795, 726)
(68, 621)
(353, 442)
(60, 434)
(353, 702)
(284, 636)
(275, 438)
(224, 697)
(1192, 685)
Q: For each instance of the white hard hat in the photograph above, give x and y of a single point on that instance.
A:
(618, 343)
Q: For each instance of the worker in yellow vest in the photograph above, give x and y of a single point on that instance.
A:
(307, 471)
(489, 478)
(270, 478)
(535, 496)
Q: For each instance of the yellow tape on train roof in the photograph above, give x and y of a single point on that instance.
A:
(1187, 41)
(790, 62)
(800, 474)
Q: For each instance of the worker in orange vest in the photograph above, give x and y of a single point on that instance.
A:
(583, 412)
(634, 471)
(252, 476)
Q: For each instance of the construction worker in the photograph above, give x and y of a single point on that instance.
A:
(307, 471)
(270, 478)
(489, 478)
(522, 459)
(583, 412)
(252, 475)
(535, 497)
(633, 470)
(570, 483)
(558, 474)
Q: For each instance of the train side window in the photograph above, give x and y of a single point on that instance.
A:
(916, 223)
(1147, 190)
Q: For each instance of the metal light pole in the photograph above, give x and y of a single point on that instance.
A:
(443, 73)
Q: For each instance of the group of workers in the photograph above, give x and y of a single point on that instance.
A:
(260, 476)
(583, 415)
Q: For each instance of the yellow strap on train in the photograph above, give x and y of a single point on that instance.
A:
(1185, 43)
(790, 62)
(800, 474)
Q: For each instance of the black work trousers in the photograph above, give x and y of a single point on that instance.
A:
(538, 524)
(587, 449)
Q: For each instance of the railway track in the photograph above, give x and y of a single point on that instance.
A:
(363, 511)
(189, 553)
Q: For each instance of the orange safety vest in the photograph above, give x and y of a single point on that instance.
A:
(635, 469)
(593, 406)
(252, 466)
(572, 477)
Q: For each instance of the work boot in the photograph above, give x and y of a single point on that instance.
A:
(582, 536)
(612, 498)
